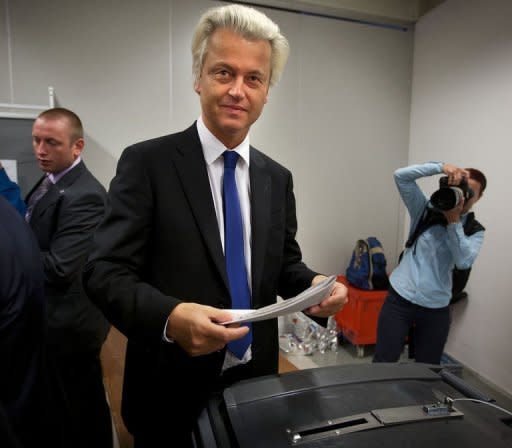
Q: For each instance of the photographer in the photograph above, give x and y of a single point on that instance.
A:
(443, 236)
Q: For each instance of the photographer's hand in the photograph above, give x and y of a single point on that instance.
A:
(454, 173)
(453, 215)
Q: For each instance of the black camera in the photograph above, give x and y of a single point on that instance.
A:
(449, 196)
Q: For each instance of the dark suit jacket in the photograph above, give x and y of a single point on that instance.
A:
(22, 327)
(160, 245)
(63, 221)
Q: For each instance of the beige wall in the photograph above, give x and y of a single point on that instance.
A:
(462, 98)
(108, 61)
(339, 119)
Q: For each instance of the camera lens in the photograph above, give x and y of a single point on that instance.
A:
(446, 198)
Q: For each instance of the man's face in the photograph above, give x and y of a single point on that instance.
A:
(53, 144)
(233, 85)
(476, 187)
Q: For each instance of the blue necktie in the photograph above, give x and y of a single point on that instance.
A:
(234, 250)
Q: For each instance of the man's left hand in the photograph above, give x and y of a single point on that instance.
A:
(453, 215)
(331, 304)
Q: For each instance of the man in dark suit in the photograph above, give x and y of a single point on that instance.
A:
(158, 269)
(22, 332)
(64, 209)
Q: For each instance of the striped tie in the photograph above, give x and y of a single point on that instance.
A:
(36, 195)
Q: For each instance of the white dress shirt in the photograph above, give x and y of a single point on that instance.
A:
(213, 149)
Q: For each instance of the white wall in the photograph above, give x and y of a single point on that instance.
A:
(4, 57)
(339, 119)
(461, 114)
(108, 61)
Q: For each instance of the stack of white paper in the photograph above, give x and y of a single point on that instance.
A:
(309, 297)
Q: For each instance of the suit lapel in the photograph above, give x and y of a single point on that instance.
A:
(260, 217)
(191, 169)
(70, 177)
(27, 197)
(49, 198)
(56, 191)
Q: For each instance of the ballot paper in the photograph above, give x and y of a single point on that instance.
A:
(309, 297)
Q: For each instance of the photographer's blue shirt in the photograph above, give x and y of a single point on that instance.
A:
(424, 276)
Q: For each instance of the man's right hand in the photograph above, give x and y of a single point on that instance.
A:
(194, 328)
(454, 173)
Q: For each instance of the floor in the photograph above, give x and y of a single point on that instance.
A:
(112, 358)
(113, 364)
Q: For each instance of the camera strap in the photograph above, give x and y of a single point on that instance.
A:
(432, 217)
(429, 218)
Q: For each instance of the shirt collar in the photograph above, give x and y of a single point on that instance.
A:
(55, 177)
(213, 147)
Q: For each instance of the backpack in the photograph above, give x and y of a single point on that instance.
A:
(367, 267)
(432, 217)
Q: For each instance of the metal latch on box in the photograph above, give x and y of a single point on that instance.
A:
(378, 418)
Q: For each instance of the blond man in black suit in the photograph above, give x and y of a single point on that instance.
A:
(159, 268)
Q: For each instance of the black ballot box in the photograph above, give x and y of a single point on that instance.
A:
(375, 405)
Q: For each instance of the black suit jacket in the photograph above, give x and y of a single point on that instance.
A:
(160, 245)
(22, 329)
(63, 221)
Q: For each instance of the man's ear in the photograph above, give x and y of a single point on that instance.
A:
(78, 146)
(197, 87)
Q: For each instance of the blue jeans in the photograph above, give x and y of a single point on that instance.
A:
(397, 316)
